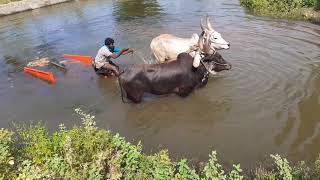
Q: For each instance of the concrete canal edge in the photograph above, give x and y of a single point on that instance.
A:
(25, 5)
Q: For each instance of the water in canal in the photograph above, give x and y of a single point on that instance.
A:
(268, 103)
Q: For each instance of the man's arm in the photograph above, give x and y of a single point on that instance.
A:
(115, 56)
(128, 50)
(122, 52)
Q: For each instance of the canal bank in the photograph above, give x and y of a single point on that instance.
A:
(25, 5)
(307, 10)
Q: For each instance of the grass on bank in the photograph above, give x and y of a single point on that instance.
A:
(289, 9)
(7, 1)
(87, 152)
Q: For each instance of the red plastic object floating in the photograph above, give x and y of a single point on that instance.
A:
(84, 59)
(47, 76)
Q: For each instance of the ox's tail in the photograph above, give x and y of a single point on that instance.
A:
(121, 89)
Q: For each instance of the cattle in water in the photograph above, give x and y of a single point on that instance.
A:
(179, 77)
(166, 47)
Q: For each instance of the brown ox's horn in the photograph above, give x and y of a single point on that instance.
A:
(201, 25)
(196, 60)
(206, 47)
(209, 24)
(200, 43)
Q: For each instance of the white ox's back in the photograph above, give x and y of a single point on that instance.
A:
(166, 47)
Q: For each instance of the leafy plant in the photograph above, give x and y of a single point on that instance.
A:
(317, 167)
(317, 5)
(263, 174)
(7, 160)
(283, 167)
(235, 174)
(291, 9)
(184, 172)
(301, 171)
(213, 170)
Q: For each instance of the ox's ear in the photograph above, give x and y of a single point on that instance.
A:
(206, 47)
(200, 42)
(195, 37)
(197, 59)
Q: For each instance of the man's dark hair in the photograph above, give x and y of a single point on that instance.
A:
(108, 41)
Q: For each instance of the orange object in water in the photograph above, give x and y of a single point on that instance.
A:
(48, 76)
(85, 59)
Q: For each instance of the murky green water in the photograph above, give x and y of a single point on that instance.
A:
(268, 103)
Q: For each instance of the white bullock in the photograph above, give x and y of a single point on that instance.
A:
(166, 47)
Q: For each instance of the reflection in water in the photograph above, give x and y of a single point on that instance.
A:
(308, 130)
(304, 125)
(167, 109)
(126, 10)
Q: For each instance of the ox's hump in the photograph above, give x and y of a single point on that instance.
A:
(169, 36)
(184, 56)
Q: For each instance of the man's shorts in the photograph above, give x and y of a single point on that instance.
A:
(105, 70)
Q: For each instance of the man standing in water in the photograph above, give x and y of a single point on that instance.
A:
(102, 62)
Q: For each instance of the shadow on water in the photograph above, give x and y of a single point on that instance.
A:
(14, 63)
(128, 10)
(107, 85)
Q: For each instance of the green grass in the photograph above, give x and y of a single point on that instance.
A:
(87, 152)
(289, 9)
(7, 1)
(317, 5)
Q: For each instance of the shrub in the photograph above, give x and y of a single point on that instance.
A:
(263, 174)
(292, 9)
(283, 167)
(317, 167)
(301, 171)
(7, 160)
(309, 3)
(317, 4)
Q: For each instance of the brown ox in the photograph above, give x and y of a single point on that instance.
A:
(178, 76)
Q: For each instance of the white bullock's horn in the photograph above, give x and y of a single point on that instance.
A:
(209, 24)
(201, 25)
